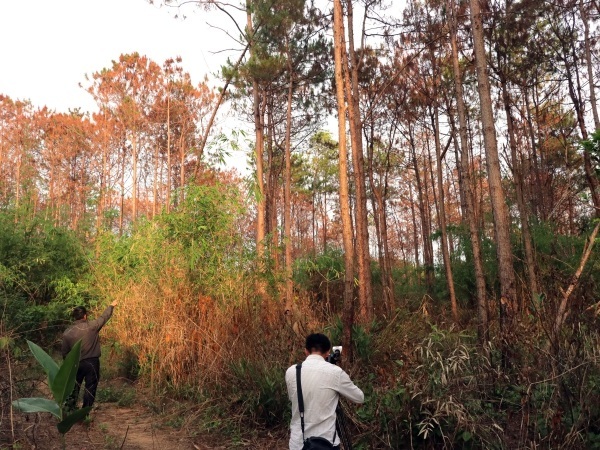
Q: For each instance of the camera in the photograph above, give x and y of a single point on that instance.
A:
(335, 355)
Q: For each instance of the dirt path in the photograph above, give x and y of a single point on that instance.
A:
(127, 428)
(124, 418)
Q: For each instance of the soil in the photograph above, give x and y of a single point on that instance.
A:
(132, 427)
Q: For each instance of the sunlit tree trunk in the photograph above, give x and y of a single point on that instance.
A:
(363, 258)
(348, 310)
(288, 192)
(258, 144)
(103, 173)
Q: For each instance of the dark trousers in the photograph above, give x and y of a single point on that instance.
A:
(88, 371)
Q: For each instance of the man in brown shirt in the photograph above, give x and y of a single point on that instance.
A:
(89, 359)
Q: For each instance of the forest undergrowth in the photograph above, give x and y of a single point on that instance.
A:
(202, 327)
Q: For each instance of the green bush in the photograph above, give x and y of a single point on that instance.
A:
(260, 392)
(43, 275)
(321, 277)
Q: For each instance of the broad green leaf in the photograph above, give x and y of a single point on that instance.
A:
(72, 419)
(45, 360)
(36, 404)
(64, 382)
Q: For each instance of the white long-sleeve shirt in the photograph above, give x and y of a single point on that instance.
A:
(322, 384)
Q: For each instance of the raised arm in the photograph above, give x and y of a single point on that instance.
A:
(98, 323)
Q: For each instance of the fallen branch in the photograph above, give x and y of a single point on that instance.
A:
(124, 438)
(562, 312)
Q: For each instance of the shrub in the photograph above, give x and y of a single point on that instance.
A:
(43, 272)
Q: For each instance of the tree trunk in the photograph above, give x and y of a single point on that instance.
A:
(103, 177)
(325, 222)
(168, 205)
(442, 217)
(378, 202)
(258, 145)
(348, 310)
(287, 219)
(425, 219)
(121, 217)
(465, 178)
(523, 213)
(588, 60)
(134, 170)
(272, 187)
(499, 208)
(538, 195)
(415, 228)
(181, 196)
(562, 313)
(363, 258)
(155, 166)
(578, 104)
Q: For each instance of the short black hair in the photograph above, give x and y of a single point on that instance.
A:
(79, 312)
(318, 342)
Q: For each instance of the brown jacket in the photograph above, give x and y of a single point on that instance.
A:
(87, 331)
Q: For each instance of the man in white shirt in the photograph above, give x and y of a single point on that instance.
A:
(322, 384)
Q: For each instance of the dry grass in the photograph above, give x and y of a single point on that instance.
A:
(185, 339)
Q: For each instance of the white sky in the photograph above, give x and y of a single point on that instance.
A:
(48, 46)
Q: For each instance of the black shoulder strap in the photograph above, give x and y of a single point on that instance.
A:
(300, 398)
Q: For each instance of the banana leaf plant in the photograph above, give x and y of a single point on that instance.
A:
(61, 380)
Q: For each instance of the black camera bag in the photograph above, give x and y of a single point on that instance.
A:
(317, 443)
(313, 442)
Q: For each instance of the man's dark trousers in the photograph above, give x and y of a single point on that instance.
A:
(88, 371)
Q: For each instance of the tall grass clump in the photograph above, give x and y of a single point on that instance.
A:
(174, 276)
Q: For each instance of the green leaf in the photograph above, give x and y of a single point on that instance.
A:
(64, 382)
(72, 419)
(45, 360)
(5, 342)
(36, 404)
